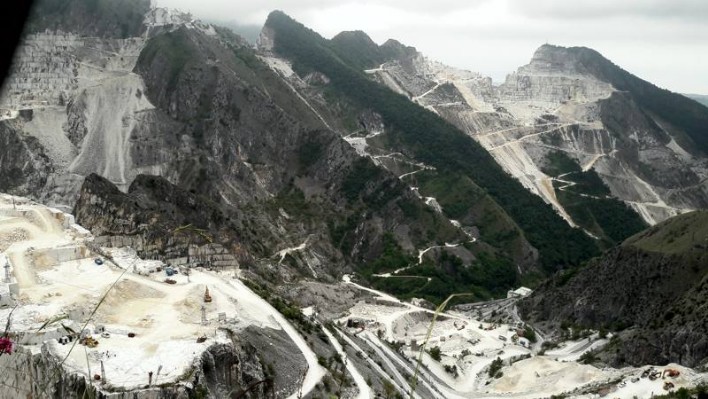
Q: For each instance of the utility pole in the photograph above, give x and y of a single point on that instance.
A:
(7, 271)
(103, 373)
(88, 365)
(158, 374)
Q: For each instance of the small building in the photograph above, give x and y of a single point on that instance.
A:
(519, 292)
(100, 329)
(355, 322)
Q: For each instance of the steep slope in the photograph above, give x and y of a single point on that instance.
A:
(83, 104)
(443, 154)
(574, 101)
(651, 290)
(683, 116)
(195, 105)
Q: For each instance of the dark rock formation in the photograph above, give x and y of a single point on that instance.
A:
(652, 291)
(25, 166)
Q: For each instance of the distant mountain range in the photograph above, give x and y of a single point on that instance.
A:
(701, 98)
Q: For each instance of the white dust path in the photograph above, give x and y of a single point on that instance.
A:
(373, 340)
(374, 70)
(287, 251)
(591, 162)
(396, 374)
(424, 251)
(417, 98)
(421, 252)
(364, 389)
(315, 372)
(528, 136)
(388, 298)
(415, 171)
(373, 364)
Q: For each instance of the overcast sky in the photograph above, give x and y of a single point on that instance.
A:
(662, 41)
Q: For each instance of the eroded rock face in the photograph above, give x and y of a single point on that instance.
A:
(226, 370)
(25, 165)
(85, 104)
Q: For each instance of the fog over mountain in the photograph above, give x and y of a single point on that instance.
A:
(662, 42)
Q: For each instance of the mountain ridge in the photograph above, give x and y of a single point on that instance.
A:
(650, 292)
(564, 101)
(326, 63)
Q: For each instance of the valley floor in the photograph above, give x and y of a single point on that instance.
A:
(469, 346)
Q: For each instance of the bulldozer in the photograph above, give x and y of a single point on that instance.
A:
(89, 342)
(673, 373)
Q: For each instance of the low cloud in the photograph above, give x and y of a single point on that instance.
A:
(665, 42)
(693, 10)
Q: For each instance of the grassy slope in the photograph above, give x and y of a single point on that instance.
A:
(681, 234)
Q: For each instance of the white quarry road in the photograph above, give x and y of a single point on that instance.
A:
(372, 364)
(373, 340)
(397, 375)
(364, 389)
(315, 372)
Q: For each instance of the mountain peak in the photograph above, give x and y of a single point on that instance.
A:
(358, 35)
(576, 60)
(398, 50)
(277, 17)
(550, 59)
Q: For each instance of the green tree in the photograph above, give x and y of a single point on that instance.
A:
(435, 353)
